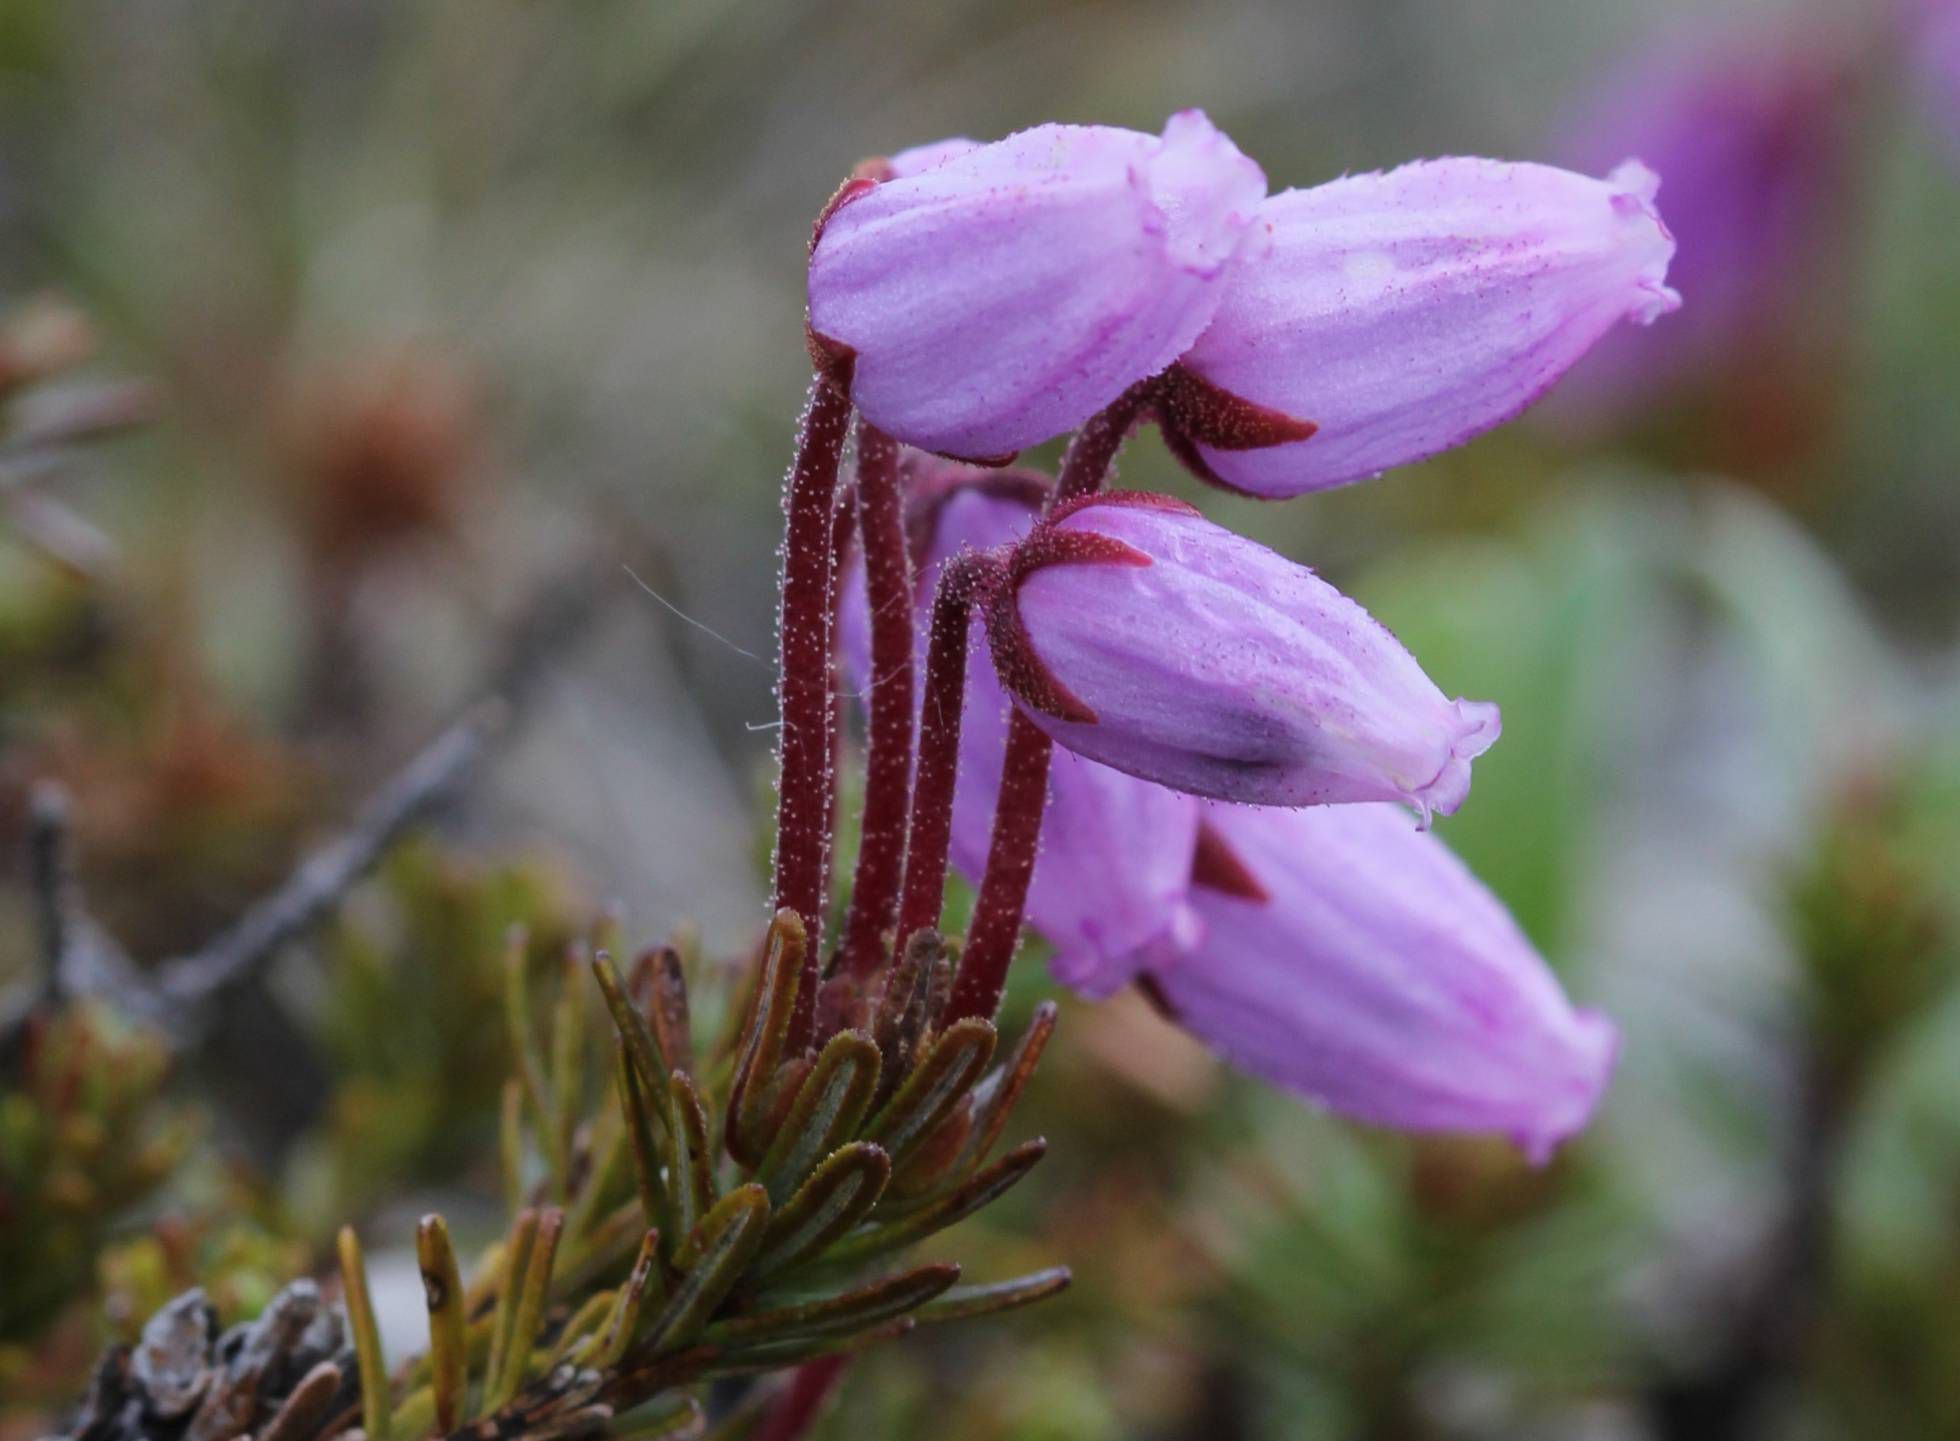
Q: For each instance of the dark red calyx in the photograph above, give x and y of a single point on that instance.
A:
(1213, 416)
(1020, 666)
(1133, 499)
(834, 360)
(1217, 867)
(984, 462)
(1191, 411)
(851, 189)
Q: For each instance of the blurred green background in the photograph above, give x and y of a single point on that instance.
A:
(471, 334)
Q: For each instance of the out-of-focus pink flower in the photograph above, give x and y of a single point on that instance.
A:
(1935, 40)
(1404, 313)
(1351, 958)
(1116, 852)
(1139, 634)
(1751, 138)
(986, 299)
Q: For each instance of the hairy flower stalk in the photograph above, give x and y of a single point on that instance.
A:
(890, 702)
(1091, 456)
(939, 746)
(1115, 854)
(995, 932)
(843, 531)
(803, 802)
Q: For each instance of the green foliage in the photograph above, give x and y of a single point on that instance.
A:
(413, 1019)
(85, 1139)
(705, 1215)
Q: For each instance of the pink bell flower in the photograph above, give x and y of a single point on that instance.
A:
(984, 299)
(1137, 633)
(1352, 959)
(1404, 313)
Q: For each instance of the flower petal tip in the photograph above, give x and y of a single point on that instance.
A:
(1478, 725)
(1653, 299)
(1482, 723)
(1205, 189)
(1575, 1096)
(1637, 179)
(1635, 188)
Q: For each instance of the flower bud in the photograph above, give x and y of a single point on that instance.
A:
(1404, 313)
(1351, 958)
(1139, 634)
(1116, 852)
(986, 299)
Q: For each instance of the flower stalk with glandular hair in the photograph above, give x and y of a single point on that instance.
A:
(886, 677)
(807, 776)
(1115, 852)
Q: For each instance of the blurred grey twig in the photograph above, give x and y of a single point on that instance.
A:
(77, 956)
(188, 983)
(69, 415)
(47, 861)
(43, 445)
(81, 958)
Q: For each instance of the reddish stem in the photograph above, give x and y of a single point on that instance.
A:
(1091, 457)
(842, 530)
(792, 1414)
(939, 748)
(888, 760)
(803, 791)
(995, 933)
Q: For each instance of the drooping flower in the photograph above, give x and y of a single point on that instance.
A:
(1115, 863)
(1935, 45)
(986, 299)
(1351, 958)
(1137, 633)
(1753, 135)
(1404, 313)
